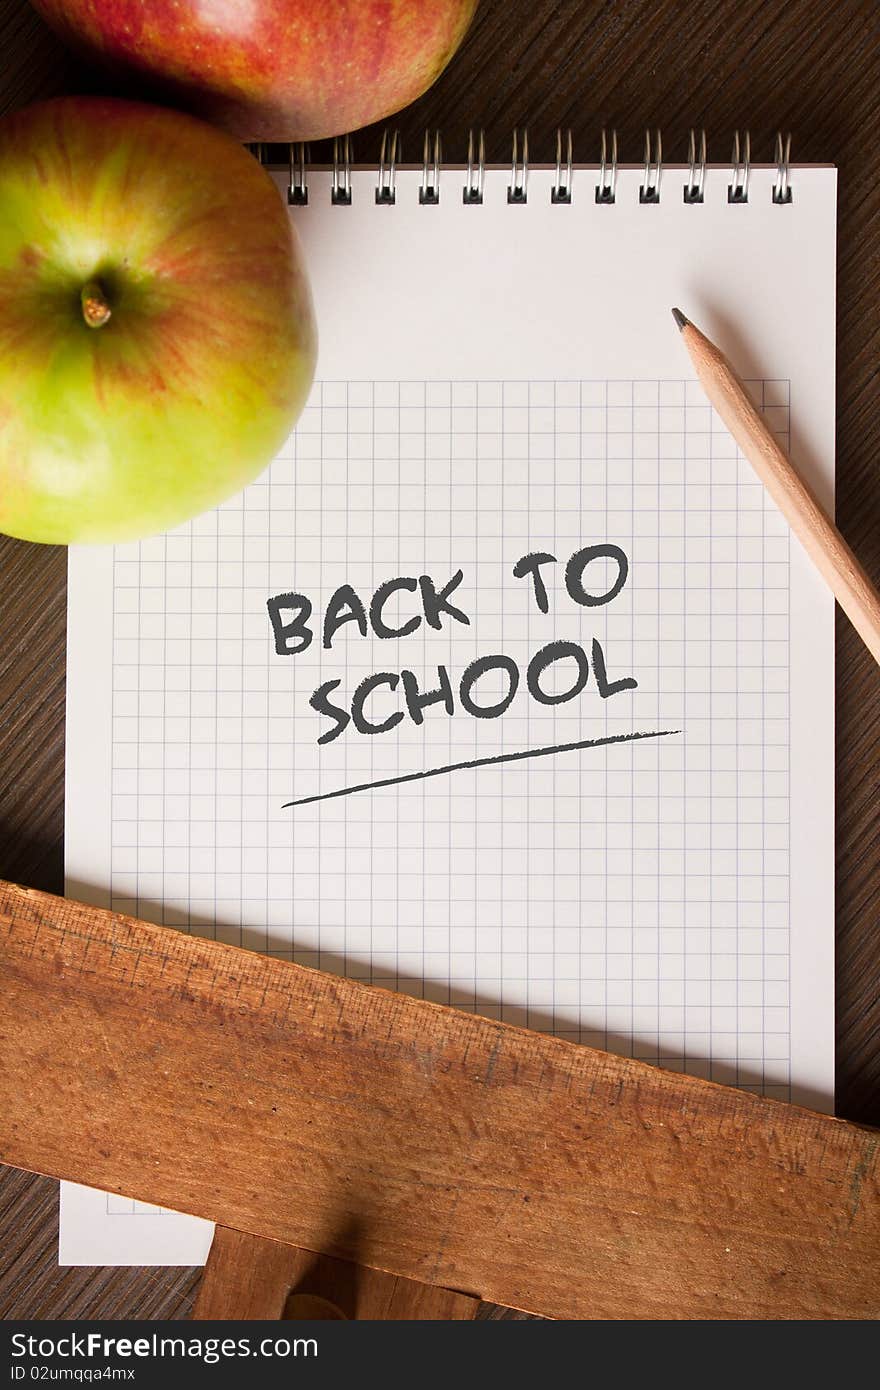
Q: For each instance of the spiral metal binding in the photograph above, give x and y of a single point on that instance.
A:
(258, 150)
(340, 184)
(517, 189)
(560, 191)
(649, 188)
(693, 189)
(606, 188)
(476, 171)
(389, 157)
(782, 183)
(297, 187)
(432, 158)
(741, 162)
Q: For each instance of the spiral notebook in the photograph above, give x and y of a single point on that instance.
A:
(506, 684)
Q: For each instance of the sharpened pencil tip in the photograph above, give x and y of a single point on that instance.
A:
(680, 319)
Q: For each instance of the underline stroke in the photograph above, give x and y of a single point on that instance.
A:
(484, 762)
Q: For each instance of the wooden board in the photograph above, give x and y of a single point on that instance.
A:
(412, 1138)
(250, 1277)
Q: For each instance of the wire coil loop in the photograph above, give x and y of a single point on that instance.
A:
(649, 188)
(606, 188)
(297, 185)
(476, 169)
(696, 180)
(389, 156)
(560, 191)
(432, 159)
(741, 167)
(517, 189)
(340, 183)
(782, 159)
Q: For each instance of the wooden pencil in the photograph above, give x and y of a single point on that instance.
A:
(817, 533)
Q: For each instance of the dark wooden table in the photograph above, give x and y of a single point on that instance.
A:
(812, 66)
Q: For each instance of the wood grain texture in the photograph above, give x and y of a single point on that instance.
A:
(810, 65)
(438, 1146)
(250, 1277)
(35, 1287)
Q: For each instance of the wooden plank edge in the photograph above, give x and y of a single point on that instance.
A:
(185, 968)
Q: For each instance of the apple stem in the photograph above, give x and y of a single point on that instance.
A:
(95, 309)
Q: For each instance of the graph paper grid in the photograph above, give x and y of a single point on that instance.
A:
(631, 897)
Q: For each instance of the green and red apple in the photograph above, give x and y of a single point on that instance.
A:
(272, 69)
(156, 331)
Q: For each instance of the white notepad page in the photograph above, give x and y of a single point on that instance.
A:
(497, 382)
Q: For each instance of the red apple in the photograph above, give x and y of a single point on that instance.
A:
(156, 332)
(273, 69)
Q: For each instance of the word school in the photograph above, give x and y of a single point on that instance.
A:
(295, 626)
